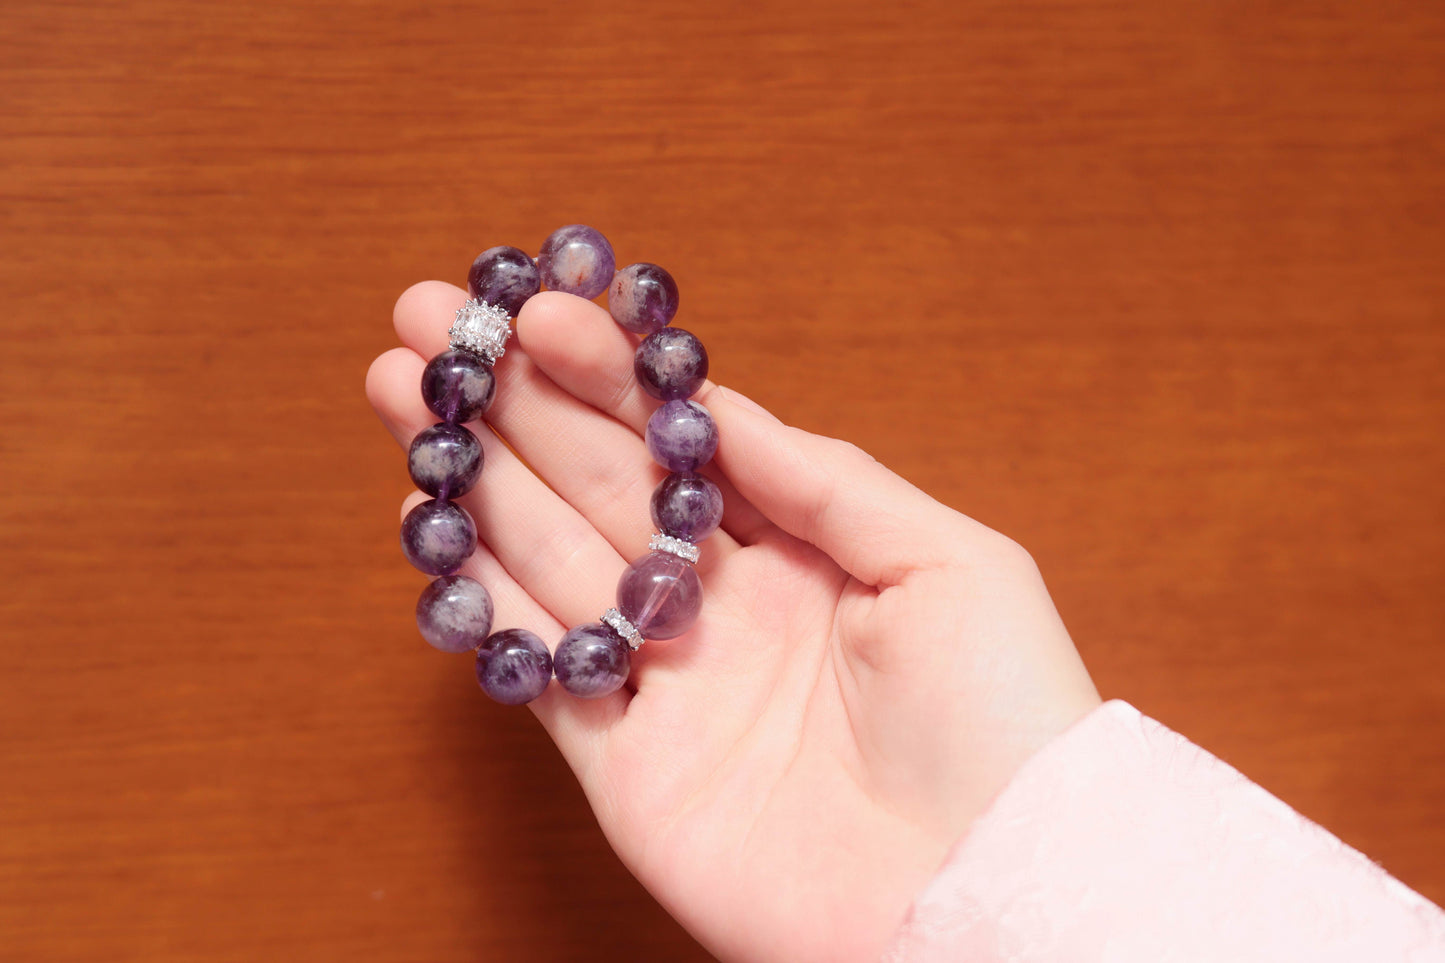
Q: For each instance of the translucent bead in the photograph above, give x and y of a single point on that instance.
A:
(687, 506)
(681, 436)
(445, 460)
(642, 298)
(504, 276)
(592, 661)
(670, 364)
(660, 594)
(577, 259)
(437, 537)
(513, 666)
(458, 386)
(454, 613)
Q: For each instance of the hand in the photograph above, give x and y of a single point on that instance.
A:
(868, 671)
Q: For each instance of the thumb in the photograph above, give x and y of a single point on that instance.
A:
(831, 494)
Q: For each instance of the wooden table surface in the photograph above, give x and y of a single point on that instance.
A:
(1154, 288)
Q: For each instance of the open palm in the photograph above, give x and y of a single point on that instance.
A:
(869, 668)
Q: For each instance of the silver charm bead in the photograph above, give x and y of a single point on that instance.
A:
(622, 627)
(684, 550)
(481, 328)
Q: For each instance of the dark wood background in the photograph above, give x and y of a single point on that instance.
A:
(1155, 288)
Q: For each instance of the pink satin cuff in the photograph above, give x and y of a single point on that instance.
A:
(1124, 842)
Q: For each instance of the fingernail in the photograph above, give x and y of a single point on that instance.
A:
(743, 401)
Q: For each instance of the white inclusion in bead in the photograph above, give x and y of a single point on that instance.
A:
(622, 627)
(684, 550)
(481, 328)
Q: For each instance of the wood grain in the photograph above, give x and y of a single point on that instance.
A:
(1154, 288)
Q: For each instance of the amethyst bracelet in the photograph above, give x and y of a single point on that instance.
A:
(659, 595)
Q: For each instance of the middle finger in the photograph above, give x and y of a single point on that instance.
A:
(597, 464)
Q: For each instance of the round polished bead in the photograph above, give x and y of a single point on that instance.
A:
(577, 259)
(592, 661)
(681, 436)
(454, 613)
(687, 505)
(437, 537)
(660, 594)
(504, 276)
(513, 666)
(445, 460)
(458, 386)
(642, 298)
(670, 364)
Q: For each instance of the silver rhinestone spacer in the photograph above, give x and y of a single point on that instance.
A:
(481, 328)
(622, 627)
(684, 550)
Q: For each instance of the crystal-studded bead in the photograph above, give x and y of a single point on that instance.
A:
(625, 630)
(481, 328)
(684, 550)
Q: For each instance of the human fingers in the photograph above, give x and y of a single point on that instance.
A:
(832, 494)
(389, 384)
(578, 726)
(554, 554)
(598, 465)
(583, 351)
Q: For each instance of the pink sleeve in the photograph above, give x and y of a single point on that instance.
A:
(1122, 841)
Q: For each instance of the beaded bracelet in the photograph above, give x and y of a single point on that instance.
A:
(659, 595)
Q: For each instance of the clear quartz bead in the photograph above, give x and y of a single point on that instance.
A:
(660, 594)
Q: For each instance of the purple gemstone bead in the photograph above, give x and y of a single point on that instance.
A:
(505, 277)
(681, 436)
(454, 613)
(445, 460)
(577, 259)
(458, 386)
(513, 666)
(687, 506)
(670, 364)
(660, 595)
(642, 298)
(592, 661)
(437, 537)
